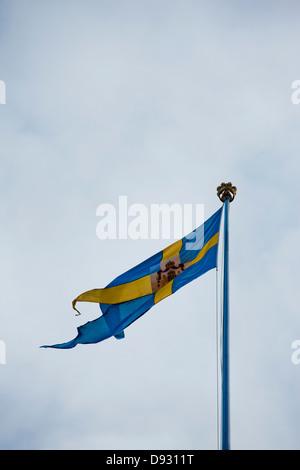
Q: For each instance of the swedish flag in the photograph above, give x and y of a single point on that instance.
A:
(133, 293)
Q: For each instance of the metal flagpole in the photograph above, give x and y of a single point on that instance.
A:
(226, 193)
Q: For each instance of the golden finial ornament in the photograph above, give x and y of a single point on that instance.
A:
(226, 190)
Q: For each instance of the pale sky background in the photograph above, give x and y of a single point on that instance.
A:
(160, 101)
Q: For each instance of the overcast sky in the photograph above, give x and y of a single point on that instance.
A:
(160, 101)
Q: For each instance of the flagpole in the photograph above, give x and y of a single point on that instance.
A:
(225, 340)
(226, 193)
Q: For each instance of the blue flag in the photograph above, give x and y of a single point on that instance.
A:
(133, 293)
